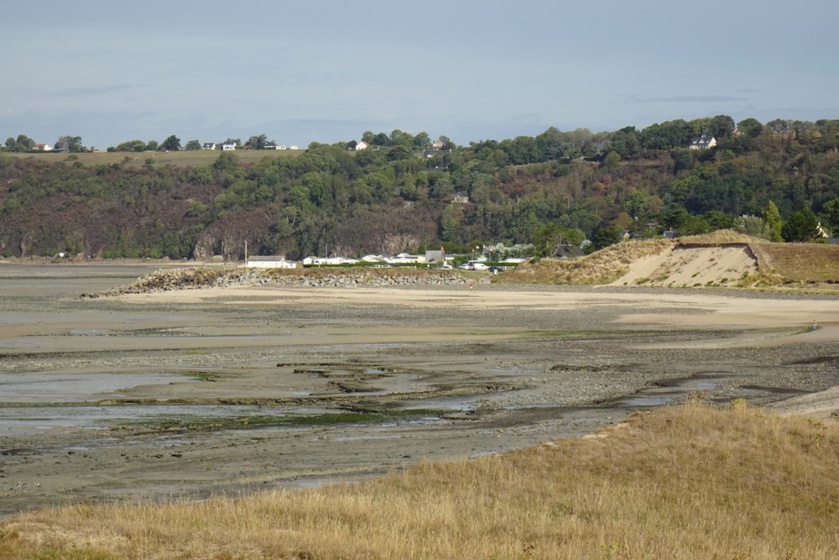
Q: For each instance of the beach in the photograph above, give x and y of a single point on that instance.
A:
(190, 393)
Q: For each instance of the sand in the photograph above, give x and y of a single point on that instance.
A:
(176, 394)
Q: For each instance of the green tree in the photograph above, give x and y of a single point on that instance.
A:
(193, 145)
(257, 142)
(131, 146)
(24, 143)
(422, 141)
(753, 226)
(171, 144)
(611, 161)
(830, 212)
(750, 127)
(605, 236)
(69, 144)
(802, 227)
(773, 220)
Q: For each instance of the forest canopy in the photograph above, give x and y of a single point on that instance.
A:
(404, 192)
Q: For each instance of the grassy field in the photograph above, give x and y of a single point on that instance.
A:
(681, 482)
(138, 159)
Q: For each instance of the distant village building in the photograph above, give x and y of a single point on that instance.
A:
(361, 146)
(270, 262)
(208, 146)
(228, 147)
(435, 257)
(461, 198)
(43, 147)
(704, 142)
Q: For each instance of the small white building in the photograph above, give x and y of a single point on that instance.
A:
(361, 146)
(269, 262)
(406, 258)
(228, 147)
(327, 261)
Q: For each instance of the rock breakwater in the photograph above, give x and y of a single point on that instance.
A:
(196, 278)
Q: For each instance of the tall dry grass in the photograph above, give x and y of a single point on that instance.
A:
(680, 483)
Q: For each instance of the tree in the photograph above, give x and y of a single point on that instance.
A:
(24, 143)
(773, 220)
(69, 144)
(750, 127)
(193, 145)
(605, 236)
(171, 144)
(153, 146)
(753, 226)
(721, 126)
(131, 146)
(611, 161)
(802, 227)
(422, 141)
(257, 142)
(830, 212)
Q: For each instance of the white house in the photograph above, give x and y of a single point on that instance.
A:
(406, 258)
(324, 261)
(208, 146)
(228, 147)
(43, 147)
(704, 142)
(361, 146)
(269, 262)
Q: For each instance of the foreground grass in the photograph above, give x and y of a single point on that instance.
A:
(678, 483)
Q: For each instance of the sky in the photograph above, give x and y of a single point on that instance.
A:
(327, 71)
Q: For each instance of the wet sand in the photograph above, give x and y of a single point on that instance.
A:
(190, 393)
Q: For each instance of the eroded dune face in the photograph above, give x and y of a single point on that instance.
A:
(692, 267)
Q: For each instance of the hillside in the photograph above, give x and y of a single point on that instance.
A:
(722, 259)
(398, 196)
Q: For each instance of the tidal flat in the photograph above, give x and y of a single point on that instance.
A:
(191, 393)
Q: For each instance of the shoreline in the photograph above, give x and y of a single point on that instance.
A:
(244, 389)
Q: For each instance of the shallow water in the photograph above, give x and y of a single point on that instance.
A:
(57, 387)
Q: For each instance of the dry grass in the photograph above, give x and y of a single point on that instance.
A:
(719, 237)
(683, 482)
(601, 267)
(799, 262)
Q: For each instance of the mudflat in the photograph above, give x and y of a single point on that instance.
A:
(189, 393)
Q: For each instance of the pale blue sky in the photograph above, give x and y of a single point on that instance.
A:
(324, 70)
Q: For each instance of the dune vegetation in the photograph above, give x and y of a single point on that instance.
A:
(681, 482)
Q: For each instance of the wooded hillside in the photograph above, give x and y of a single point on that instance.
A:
(552, 189)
